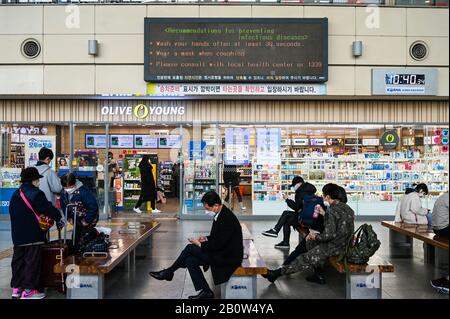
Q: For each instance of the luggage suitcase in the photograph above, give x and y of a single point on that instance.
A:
(53, 252)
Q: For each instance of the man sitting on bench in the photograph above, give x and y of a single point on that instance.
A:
(222, 250)
(289, 218)
(338, 228)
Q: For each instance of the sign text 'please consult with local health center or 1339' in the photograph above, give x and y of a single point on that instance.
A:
(236, 50)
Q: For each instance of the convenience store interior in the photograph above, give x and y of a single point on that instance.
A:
(350, 156)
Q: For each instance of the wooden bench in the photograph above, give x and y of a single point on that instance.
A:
(363, 281)
(243, 283)
(85, 277)
(401, 242)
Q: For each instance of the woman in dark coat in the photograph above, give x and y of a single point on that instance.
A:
(148, 185)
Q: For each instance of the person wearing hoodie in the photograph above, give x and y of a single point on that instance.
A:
(27, 236)
(50, 184)
(290, 217)
(409, 208)
(87, 208)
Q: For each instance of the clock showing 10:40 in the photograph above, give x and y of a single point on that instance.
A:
(404, 79)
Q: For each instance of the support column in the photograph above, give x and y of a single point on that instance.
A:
(363, 285)
(429, 252)
(400, 245)
(239, 287)
(88, 287)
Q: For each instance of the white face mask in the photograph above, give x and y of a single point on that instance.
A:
(295, 187)
(70, 190)
(209, 213)
(326, 203)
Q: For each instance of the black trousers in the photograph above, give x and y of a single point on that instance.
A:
(287, 220)
(442, 232)
(26, 267)
(141, 201)
(192, 257)
(235, 189)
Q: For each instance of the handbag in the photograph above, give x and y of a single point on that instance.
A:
(45, 222)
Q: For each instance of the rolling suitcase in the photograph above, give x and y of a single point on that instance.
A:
(53, 253)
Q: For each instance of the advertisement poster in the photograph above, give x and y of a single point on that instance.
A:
(9, 182)
(95, 141)
(171, 141)
(237, 148)
(121, 141)
(145, 141)
(268, 142)
(197, 150)
(33, 143)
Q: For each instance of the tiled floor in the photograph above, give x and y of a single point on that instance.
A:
(410, 279)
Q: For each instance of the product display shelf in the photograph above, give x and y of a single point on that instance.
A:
(200, 177)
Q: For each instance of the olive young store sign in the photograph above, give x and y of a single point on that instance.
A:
(142, 111)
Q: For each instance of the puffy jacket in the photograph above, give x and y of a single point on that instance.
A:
(82, 195)
(24, 225)
(410, 210)
(50, 183)
(305, 189)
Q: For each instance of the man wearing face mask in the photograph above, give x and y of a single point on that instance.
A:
(332, 241)
(409, 208)
(87, 208)
(289, 218)
(222, 250)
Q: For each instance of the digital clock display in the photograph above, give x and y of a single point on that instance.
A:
(404, 79)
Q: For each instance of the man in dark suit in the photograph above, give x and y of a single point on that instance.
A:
(222, 250)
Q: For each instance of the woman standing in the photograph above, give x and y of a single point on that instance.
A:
(148, 185)
(28, 203)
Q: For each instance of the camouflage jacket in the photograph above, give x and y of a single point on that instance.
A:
(338, 228)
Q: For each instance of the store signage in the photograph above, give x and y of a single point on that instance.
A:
(23, 130)
(95, 141)
(157, 89)
(300, 141)
(404, 81)
(239, 50)
(268, 145)
(197, 150)
(318, 141)
(237, 147)
(171, 141)
(121, 141)
(390, 139)
(33, 144)
(142, 111)
(370, 142)
(145, 141)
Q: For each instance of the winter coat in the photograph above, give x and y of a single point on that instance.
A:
(410, 210)
(50, 183)
(24, 225)
(224, 246)
(148, 185)
(87, 200)
(231, 177)
(305, 189)
(339, 226)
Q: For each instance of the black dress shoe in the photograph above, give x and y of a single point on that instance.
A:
(272, 275)
(316, 278)
(204, 294)
(164, 274)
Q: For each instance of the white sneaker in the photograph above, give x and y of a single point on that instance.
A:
(137, 210)
(156, 211)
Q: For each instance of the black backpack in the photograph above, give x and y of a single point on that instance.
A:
(361, 246)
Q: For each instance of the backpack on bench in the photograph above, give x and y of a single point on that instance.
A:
(362, 245)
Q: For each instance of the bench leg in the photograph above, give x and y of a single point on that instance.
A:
(429, 252)
(239, 287)
(86, 287)
(363, 285)
(400, 245)
(441, 259)
(130, 261)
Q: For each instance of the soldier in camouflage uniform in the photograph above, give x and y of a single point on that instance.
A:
(339, 227)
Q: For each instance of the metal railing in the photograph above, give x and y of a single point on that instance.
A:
(399, 3)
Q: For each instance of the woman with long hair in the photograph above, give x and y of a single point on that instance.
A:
(148, 185)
